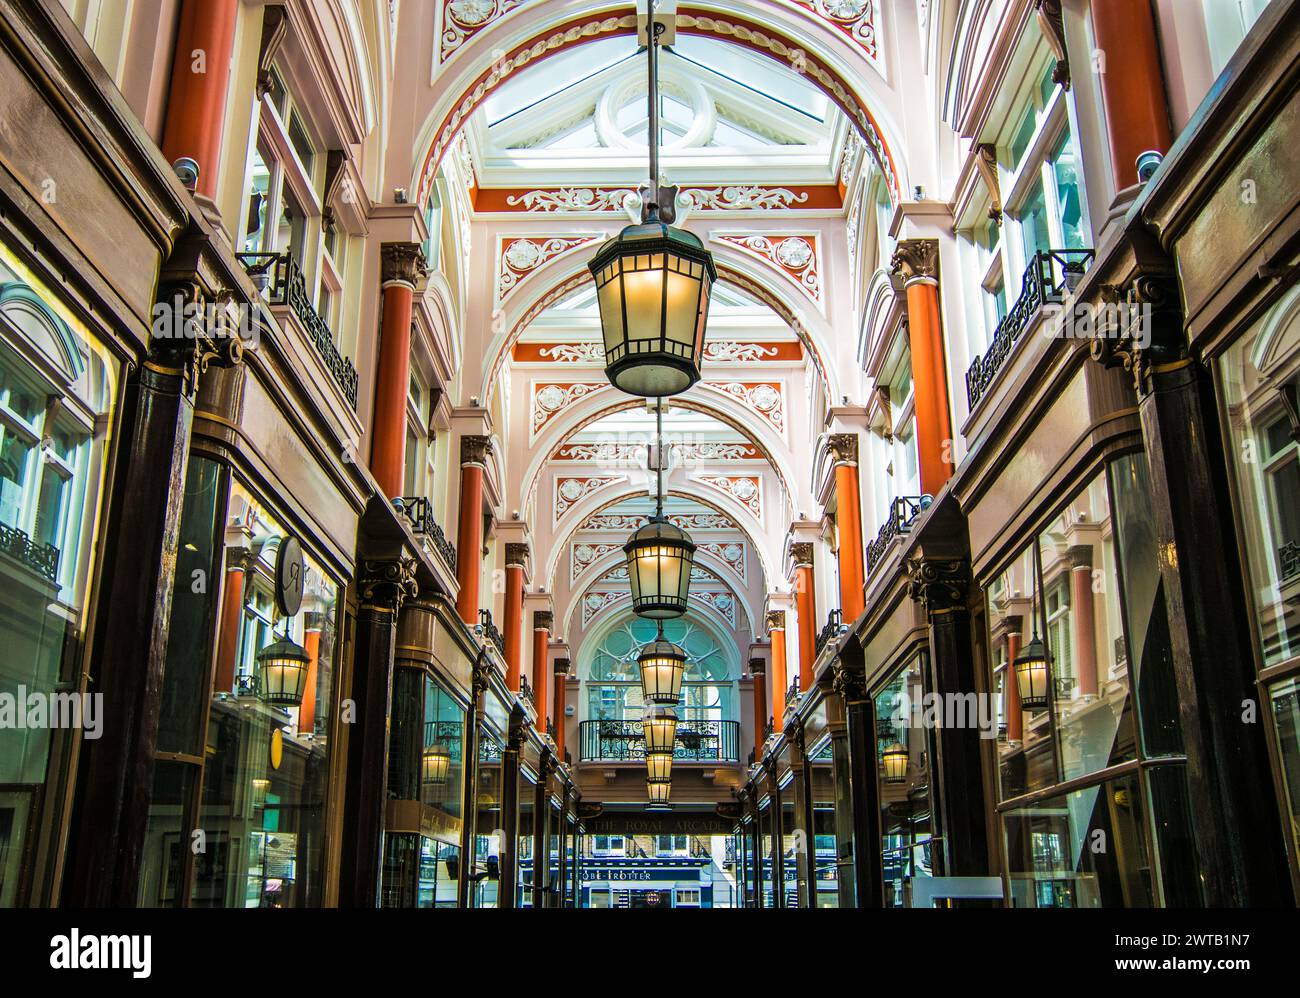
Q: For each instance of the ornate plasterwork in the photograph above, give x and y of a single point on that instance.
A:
(462, 19)
(744, 489)
(720, 600)
(571, 199)
(549, 397)
(574, 353)
(583, 556)
(765, 398)
(701, 452)
(521, 255)
(753, 197)
(732, 351)
(859, 19)
(593, 603)
(608, 454)
(730, 553)
(569, 491)
(794, 255)
(626, 523)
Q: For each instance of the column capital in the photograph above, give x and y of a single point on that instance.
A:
(561, 666)
(917, 261)
(402, 264)
(1140, 328)
(843, 448)
(387, 584)
(801, 553)
(543, 620)
(938, 584)
(474, 450)
(775, 620)
(516, 555)
(794, 734)
(757, 667)
(850, 684)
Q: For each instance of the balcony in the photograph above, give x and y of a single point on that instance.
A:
(1288, 561)
(419, 512)
(1049, 280)
(793, 693)
(903, 512)
(833, 629)
(491, 631)
(281, 281)
(526, 693)
(624, 741)
(43, 559)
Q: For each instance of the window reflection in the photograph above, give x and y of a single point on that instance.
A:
(902, 758)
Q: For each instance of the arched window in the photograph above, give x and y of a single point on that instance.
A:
(613, 680)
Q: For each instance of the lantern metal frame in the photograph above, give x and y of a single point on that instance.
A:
(667, 362)
(659, 729)
(663, 667)
(288, 663)
(1033, 666)
(895, 759)
(659, 793)
(439, 755)
(659, 766)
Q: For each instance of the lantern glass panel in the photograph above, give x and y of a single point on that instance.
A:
(1032, 676)
(660, 730)
(659, 560)
(662, 667)
(659, 766)
(894, 760)
(659, 793)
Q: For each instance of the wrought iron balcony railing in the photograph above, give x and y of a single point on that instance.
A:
(40, 558)
(491, 631)
(1288, 561)
(281, 281)
(833, 629)
(792, 694)
(1049, 279)
(903, 511)
(419, 511)
(526, 691)
(624, 741)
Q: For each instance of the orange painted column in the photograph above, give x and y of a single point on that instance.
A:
(1083, 621)
(232, 619)
(1132, 85)
(469, 530)
(542, 621)
(403, 266)
(1015, 716)
(918, 262)
(776, 632)
(561, 692)
(196, 101)
(760, 704)
(513, 626)
(848, 514)
(805, 605)
(307, 713)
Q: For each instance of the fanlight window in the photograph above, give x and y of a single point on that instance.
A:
(614, 679)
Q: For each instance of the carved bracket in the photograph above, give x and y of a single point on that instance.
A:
(388, 584)
(939, 584)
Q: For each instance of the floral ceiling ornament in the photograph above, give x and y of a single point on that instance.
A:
(623, 523)
(720, 600)
(766, 398)
(744, 489)
(550, 397)
(583, 556)
(731, 351)
(462, 19)
(593, 603)
(796, 255)
(606, 454)
(859, 19)
(742, 198)
(521, 255)
(570, 199)
(731, 554)
(569, 491)
(574, 353)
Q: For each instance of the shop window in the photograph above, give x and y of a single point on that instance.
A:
(908, 845)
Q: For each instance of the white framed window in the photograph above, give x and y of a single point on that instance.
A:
(688, 897)
(904, 463)
(672, 845)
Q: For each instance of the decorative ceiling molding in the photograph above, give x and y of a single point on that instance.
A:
(519, 256)
(736, 198)
(859, 19)
(744, 489)
(730, 553)
(765, 398)
(549, 397)
(625, 523)
(588, 354)
(794, 255)
(569, 491)
(462, 19)
(582, 557)
(721, 601)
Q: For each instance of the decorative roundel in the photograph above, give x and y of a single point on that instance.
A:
(551, 397)
(744, 488)
(472, 13)
(523, 254)
(846, 10)
(795, 252)
(571, 489)
(764, 397)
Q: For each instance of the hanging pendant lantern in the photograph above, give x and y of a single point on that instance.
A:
(283, 668)
(660, 729)
(653, 283)
(660, 556)
(659, 767)
(1032, 676)
(659, 795)
(663, 665)
(894, 759)
(436, 765)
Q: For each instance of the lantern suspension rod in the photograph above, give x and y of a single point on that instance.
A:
(659, 457)
(653, 30)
